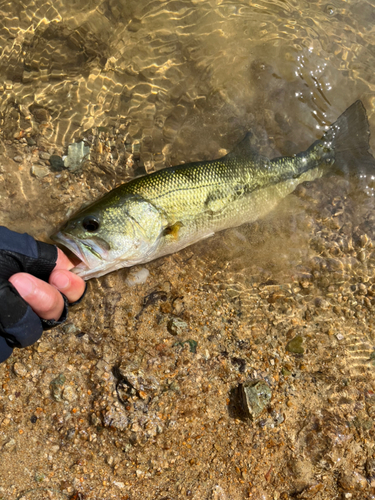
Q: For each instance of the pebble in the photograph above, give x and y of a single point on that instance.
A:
(18, 159)
(256, 394)
(137, 277)
(295, 345)
(19, 369)
(56, 386)
(39, 171)
(10, 444)
(57, 163)
(18, 135)
(70, 328)
(69, 394)
(44, 156)
(77, 152)
(178, 305)
(176, 326)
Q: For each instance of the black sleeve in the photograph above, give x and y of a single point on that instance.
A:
(19, 325)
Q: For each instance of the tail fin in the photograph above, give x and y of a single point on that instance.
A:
(349, 137)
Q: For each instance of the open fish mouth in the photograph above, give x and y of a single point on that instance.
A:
(89, 252)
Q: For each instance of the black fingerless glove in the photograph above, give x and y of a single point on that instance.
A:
(19, 325)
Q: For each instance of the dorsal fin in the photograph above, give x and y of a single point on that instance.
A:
(244, 149)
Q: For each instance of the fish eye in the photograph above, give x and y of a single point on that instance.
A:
(90, 223)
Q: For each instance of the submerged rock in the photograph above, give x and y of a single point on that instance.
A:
(295, 345)
(137, 277)
(57, 163)
(256, 394)
(77, 152)
(176, 326)
(39, 172)
(56, 387)
(20, 369)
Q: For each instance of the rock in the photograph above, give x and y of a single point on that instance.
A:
(41, 115)
(70, 328)
(295, 345)
(137, 277)
(192, 345)
(176, 326)
(31, 141)
(115, 418)
(256, 394)
(69, 394)
(18, 159)
(305, 281)
(19, 369)
(136, 379)
(57, 163)
(9, 445)
(166, 287)
(352, 481)
(178, 305)
(44, 156)
(77, 152)
(39, 172)
(56, 387)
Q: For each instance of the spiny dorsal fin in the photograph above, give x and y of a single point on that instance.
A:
(244, 149)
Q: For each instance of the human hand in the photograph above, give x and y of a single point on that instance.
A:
(44, 298)
(30, 300)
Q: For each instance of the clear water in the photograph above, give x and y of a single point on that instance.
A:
(153, 84)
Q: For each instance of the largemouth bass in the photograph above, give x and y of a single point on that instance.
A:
(163, 212)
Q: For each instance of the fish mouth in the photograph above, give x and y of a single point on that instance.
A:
(90, 252)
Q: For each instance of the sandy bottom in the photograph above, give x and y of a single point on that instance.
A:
(138, 395)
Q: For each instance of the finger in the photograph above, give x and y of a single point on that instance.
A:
(63, 261)
(71, 285)
(43, 298)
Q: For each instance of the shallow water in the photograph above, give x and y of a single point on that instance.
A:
(152, 84)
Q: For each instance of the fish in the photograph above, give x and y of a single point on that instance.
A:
(165, 211)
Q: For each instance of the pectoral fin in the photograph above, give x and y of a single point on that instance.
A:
(173, 230)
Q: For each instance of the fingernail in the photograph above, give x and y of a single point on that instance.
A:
(60, 280)
(24, 286)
